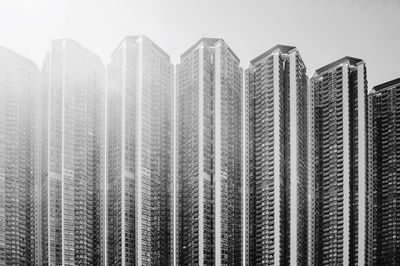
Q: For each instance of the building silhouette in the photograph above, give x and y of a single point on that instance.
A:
(209, 151)
(19, 81)
(116, 166)
(72, 159)
(276, 158)
(338, 163)
(139, 154)
(383, 212)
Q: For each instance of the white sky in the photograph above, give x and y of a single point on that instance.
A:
(322, 30)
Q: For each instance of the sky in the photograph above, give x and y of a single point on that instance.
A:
(322, 30)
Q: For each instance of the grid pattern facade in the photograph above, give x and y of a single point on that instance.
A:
(72, 155)
(209, 150)
(19, 80)
(338, 163)
(276, 158)
(384, 180)
(139, 154)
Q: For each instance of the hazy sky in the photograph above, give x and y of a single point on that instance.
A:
(322, 30)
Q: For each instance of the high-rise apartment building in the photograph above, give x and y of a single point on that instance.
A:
(276, 158)
(383, 187)
(338, 163)
(72, 156)
(19, 81)
(139, 154)
(209, 154)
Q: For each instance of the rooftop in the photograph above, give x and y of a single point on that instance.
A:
(19, 56)
(346, 59)
(77, 44)
(386, 85)
(133, 38)
(283, 48)
(209, 42)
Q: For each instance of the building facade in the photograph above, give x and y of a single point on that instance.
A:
(19, 81)
(72, 147)
(139, 154)
(383, 197)
(276, 158)
(338, 163)
(209, 155)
